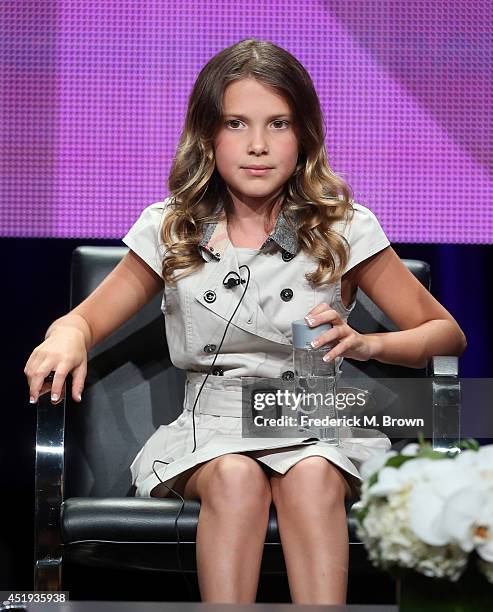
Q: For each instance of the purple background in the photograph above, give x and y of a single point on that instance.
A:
(94, 97)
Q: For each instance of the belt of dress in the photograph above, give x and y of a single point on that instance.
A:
(220, 395)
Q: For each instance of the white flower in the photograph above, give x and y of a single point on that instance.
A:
(481, 461)
(468, 520)
(411, 449)
(389, 541)
(485, 453)
(429, 514)
(426, 510)
(391, 479)
(375, 463)
(432, 497)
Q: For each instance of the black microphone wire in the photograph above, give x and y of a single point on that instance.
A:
(230, 283)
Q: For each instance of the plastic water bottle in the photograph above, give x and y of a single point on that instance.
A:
(315, 382)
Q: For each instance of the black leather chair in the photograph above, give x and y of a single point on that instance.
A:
(85, 509)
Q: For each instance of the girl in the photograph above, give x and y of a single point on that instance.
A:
(251, 186)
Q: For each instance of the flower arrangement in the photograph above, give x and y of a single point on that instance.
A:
(428, 510)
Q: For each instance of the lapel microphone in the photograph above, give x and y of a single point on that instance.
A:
(231, 282)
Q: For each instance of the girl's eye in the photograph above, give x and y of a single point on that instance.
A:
(230, 121)
(281, 121)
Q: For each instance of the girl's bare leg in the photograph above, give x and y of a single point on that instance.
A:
(235, 498)
(312, 521)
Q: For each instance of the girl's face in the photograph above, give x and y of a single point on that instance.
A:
(257, 130)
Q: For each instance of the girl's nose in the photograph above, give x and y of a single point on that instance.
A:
(258, 145)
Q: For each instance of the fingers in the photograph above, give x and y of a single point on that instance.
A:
(326, 337)
(46, 387)
(318, 308)
(59, 356)
(57, 385)
(36, 372)
(78, 377)
(322, 313)
(338, 350)
(44, 377)
(27, 369)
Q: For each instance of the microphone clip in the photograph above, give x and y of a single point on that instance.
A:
(229, 283)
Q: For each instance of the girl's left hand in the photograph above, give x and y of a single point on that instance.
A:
(349, 343)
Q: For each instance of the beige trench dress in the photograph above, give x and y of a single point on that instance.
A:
(258, 343)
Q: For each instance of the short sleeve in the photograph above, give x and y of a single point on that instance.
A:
(364, 235)
(144, 236)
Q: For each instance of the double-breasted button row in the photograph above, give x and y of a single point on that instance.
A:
(287, 375)
(286, 295)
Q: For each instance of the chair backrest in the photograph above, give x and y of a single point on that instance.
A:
(132, 387)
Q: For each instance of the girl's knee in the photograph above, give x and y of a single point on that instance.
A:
(311, 480)
(239, 482)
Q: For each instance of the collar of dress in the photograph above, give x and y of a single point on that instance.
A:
(215, 237)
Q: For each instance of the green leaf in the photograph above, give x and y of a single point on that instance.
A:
(360, 515)
(421, 439)
(470, 444)
(429, 453)
(397, 460)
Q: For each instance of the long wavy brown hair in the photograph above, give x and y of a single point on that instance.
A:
(313, 198)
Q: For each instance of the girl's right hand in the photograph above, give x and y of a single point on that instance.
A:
(62, 352)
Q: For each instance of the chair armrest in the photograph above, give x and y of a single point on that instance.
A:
(446, 402)
(48, 494)
(445, 365)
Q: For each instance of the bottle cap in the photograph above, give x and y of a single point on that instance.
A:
(303, 334)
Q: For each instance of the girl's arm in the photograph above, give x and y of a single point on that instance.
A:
(128, 287)
(428, 329)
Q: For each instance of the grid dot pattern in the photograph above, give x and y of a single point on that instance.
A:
(94, 97)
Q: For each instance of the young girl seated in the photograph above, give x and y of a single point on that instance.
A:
(254, 215)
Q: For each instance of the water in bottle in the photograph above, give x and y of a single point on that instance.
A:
(314, 384)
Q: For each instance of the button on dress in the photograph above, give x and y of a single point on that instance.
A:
(258, 343)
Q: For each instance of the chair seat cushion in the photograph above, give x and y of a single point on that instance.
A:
(145, 520)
